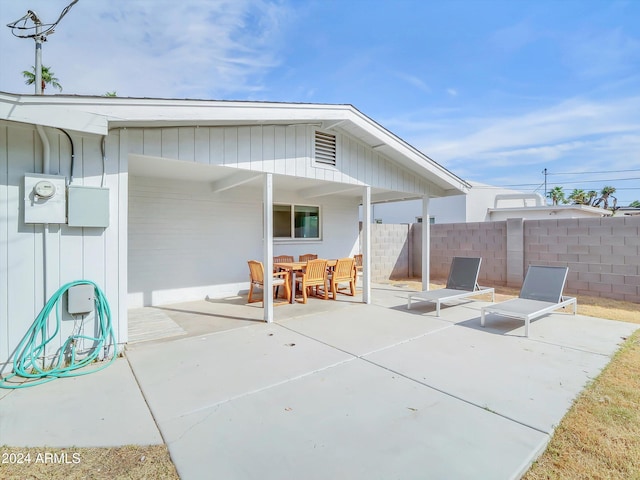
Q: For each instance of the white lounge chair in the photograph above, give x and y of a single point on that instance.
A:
(462, 283)
(541, 293)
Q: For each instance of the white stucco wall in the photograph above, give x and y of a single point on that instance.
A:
(472, 207)
(442, 209)
(186, 242)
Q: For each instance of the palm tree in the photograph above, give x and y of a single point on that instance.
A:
(556, 194)
(635, 204)
(592, 195)
(48, 78)
(578, 197)
(111, 94)
(605, 193)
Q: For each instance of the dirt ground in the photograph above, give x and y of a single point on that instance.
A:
(154, 463)
(589, 306)
(131, 462)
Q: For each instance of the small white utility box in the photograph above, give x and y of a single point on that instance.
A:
(88, 206)
(80, 299)
(45, 198)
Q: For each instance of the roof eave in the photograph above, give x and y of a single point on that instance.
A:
(96, 115)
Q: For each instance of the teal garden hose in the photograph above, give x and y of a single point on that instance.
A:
(27, 361)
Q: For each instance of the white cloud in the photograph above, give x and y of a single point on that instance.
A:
(158, 48)
(602, 53)
(413, 80)
(535, 136)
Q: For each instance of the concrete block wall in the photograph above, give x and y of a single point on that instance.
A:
(390, 251)
(603, 254)
(479, 239)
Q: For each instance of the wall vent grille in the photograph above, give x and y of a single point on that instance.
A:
(325, 144)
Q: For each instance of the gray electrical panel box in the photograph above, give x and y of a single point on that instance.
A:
(80, 299)
(88, 206)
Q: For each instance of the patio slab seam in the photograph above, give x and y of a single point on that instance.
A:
(468, 402)
(548, 432)
(146, 401)
(264, 388)
(182, 338)
(395, 372)
(212, 408)
(406, 340)
(576, 349)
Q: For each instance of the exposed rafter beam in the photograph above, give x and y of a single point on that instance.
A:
(330, 125)
(233, 180)
(392, 197)
(331, 189)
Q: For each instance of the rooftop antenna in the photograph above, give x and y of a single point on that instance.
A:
(39, 32)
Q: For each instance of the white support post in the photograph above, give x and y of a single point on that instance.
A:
(267, 294)
(366, 245)
(426, 243)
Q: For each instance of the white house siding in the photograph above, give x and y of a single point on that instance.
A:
(284, 150)
(74, 253)
(186, 242)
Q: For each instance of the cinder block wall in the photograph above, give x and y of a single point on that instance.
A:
(390, 251)
(603, 254)
(481, 239)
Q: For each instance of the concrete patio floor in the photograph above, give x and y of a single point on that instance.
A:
(330, 390)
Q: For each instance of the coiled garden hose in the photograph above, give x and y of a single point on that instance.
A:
(32, 346)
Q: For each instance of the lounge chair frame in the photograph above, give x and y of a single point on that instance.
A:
(462, 283)
(541, 293)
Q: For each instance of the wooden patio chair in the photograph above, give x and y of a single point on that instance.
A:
(358, 265)
(344, 272)
(283, 259)
(307, 256)
(315, 275)
(256, 273)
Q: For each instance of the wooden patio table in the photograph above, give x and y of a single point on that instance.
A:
(294, 268)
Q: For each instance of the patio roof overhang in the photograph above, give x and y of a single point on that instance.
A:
(97, 115)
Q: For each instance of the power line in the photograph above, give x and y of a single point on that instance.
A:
(592, 173)
(39, 28)
(601, 181)
(536, 185)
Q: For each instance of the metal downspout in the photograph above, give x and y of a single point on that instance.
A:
(46, 166)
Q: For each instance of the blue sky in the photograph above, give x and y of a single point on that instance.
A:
(495, 91)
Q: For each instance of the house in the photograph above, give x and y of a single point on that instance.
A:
(483, 203)
(471, 207)
(628, 211)
(159, 201)
(539, 210)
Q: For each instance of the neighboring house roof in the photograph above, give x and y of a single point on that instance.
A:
(628, 211)
(545, 211)
(485, 203)
(96, 115)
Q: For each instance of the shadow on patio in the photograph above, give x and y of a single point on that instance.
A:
(211, 315)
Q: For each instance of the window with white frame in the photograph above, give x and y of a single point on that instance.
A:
(296, 221)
